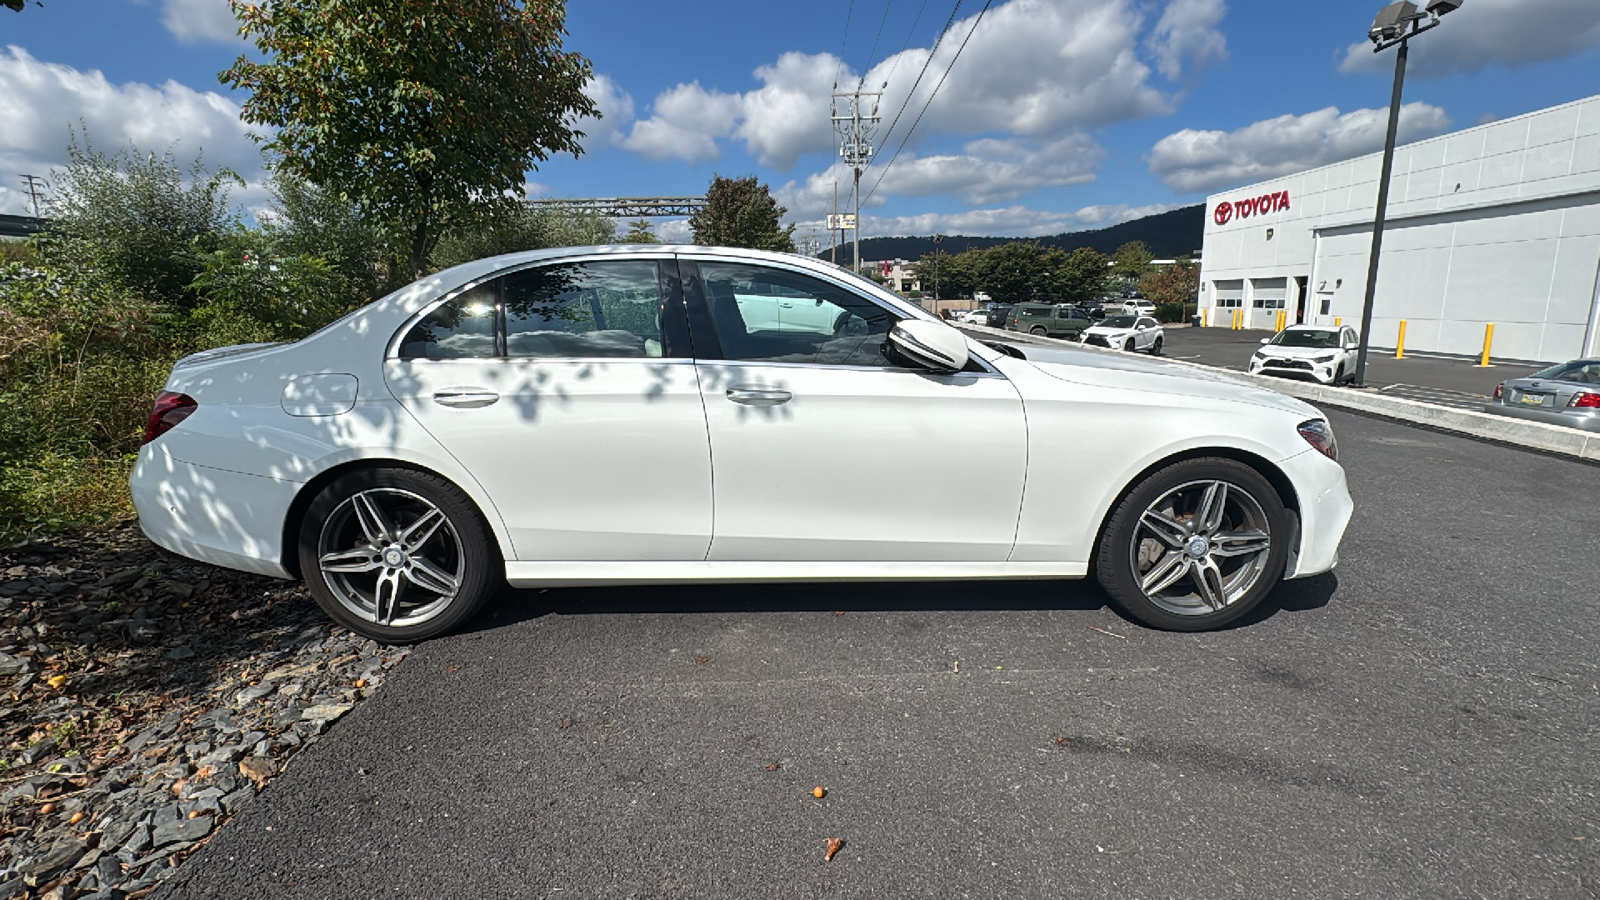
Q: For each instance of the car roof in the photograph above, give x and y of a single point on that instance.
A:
(1316, 327)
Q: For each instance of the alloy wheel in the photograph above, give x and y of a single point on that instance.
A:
(391, 557)
(1200, 547)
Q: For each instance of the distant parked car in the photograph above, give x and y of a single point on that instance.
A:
(1568, 394)
(998, 316)
(1138, 306)
(1127, 333)
(1321, 352)
(975, 317)
(1045, 320)
(1094, 309)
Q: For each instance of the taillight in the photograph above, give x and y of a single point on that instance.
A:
(1319, 434)
(169, 410)
(1584, 400)
(1499, 390)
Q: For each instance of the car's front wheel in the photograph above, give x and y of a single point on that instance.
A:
(1195, 545)
(1155, 349)
(1038, 330)
(396, 555)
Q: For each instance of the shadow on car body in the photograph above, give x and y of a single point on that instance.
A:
(513, 605)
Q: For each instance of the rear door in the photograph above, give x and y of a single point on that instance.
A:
(568, 390)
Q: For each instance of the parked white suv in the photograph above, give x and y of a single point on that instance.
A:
(1324, 353)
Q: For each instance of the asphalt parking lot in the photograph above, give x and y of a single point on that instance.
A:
(1421, 724)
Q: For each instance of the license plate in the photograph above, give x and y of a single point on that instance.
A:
(1533, 399)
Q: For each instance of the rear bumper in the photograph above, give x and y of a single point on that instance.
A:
(1325, 509)
(1588, 420)
(225, 518)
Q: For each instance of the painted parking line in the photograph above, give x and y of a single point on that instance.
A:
(1436, 396)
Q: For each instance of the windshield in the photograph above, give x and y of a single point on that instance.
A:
(1583, 371)
(1307, 338)
(1117, 322)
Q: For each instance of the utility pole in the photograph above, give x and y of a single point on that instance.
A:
(833, 233)
(35, 183)
(856, 130)
(936, 239)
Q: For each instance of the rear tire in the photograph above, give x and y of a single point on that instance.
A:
(1038, 330)
(1195, 545)
(396, 555)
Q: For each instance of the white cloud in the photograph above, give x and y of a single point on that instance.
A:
(1485, 33)
(191, 21)
(1191, 161)
(1009, 221)
(616, 112)
(1187, 31)
(40, 101)
(1040, 69)
(684, 124)
(994, 170)
(674, 231)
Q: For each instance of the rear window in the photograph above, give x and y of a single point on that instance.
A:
(1583, 371)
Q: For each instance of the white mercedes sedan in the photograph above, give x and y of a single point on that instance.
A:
(648, 414)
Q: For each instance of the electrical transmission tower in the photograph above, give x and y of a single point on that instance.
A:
(34, 183)
(856, 128)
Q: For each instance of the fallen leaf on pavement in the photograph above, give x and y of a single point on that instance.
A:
(818, 792)
(258, 769)
(772, 767)
(56, 681)
(834, 845)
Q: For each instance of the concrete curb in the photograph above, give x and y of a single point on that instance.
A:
(1533, 435)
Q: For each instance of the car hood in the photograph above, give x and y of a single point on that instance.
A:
(1295, 352)
(1099, 368)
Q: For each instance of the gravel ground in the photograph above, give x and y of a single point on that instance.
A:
(148, 697)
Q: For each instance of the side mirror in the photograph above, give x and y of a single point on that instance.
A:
(1266, 340)
(928, 345)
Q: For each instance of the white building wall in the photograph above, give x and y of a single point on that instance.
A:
(1499, 223)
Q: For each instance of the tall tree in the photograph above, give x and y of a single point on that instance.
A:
(1177, 283)
(740, 212)
(1131, 261)
(1080, 275)
(424, 114)
(639, 233)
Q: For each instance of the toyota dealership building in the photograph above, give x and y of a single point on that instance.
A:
(1495, 224)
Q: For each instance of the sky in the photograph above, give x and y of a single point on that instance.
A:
(1030, 117)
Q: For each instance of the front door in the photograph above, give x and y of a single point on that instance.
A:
(824, 450)
(568, 391)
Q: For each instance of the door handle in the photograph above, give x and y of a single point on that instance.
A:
(465, 397)
(759, 397)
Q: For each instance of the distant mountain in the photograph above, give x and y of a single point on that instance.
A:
(1168, 235)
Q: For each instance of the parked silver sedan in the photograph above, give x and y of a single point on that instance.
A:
(1567, 394)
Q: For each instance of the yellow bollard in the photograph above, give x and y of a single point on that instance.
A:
(1400, 342)
(1238, 315)
(1337, 321)
(1283, 317)
(1488, 338)
(1203, 317)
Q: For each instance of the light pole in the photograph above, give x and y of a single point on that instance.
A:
(1396, 23)
(936, 239)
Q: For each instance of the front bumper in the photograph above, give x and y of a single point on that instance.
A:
(1321, 373)
(1583, 420)
(1325, 510)
(225, 518)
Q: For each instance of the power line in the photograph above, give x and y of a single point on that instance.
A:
(976, 22)
(839, 69)
(909, 34)
(874, 51)
(887, 135)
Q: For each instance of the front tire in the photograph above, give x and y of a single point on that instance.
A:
(1155, 349)
(1195, 546)
(1128, 345)
(396, 555)
(1038, 330)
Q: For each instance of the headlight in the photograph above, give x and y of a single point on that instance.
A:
(1327, 359)
(1319, 434)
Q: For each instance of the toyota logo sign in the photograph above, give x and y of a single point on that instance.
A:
(1248, 207)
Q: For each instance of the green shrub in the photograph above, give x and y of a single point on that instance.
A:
(1170, 313)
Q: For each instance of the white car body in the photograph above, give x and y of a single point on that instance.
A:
(975, 317)
(1325, 364)
(636, 470)
(1144, 334)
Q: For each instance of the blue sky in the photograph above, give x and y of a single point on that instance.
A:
(1059, 114)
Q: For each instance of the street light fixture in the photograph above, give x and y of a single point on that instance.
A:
(1395, 24)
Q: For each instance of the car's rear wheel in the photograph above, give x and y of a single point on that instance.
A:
(1038, 330)
(396, 555)
(1195, 545)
